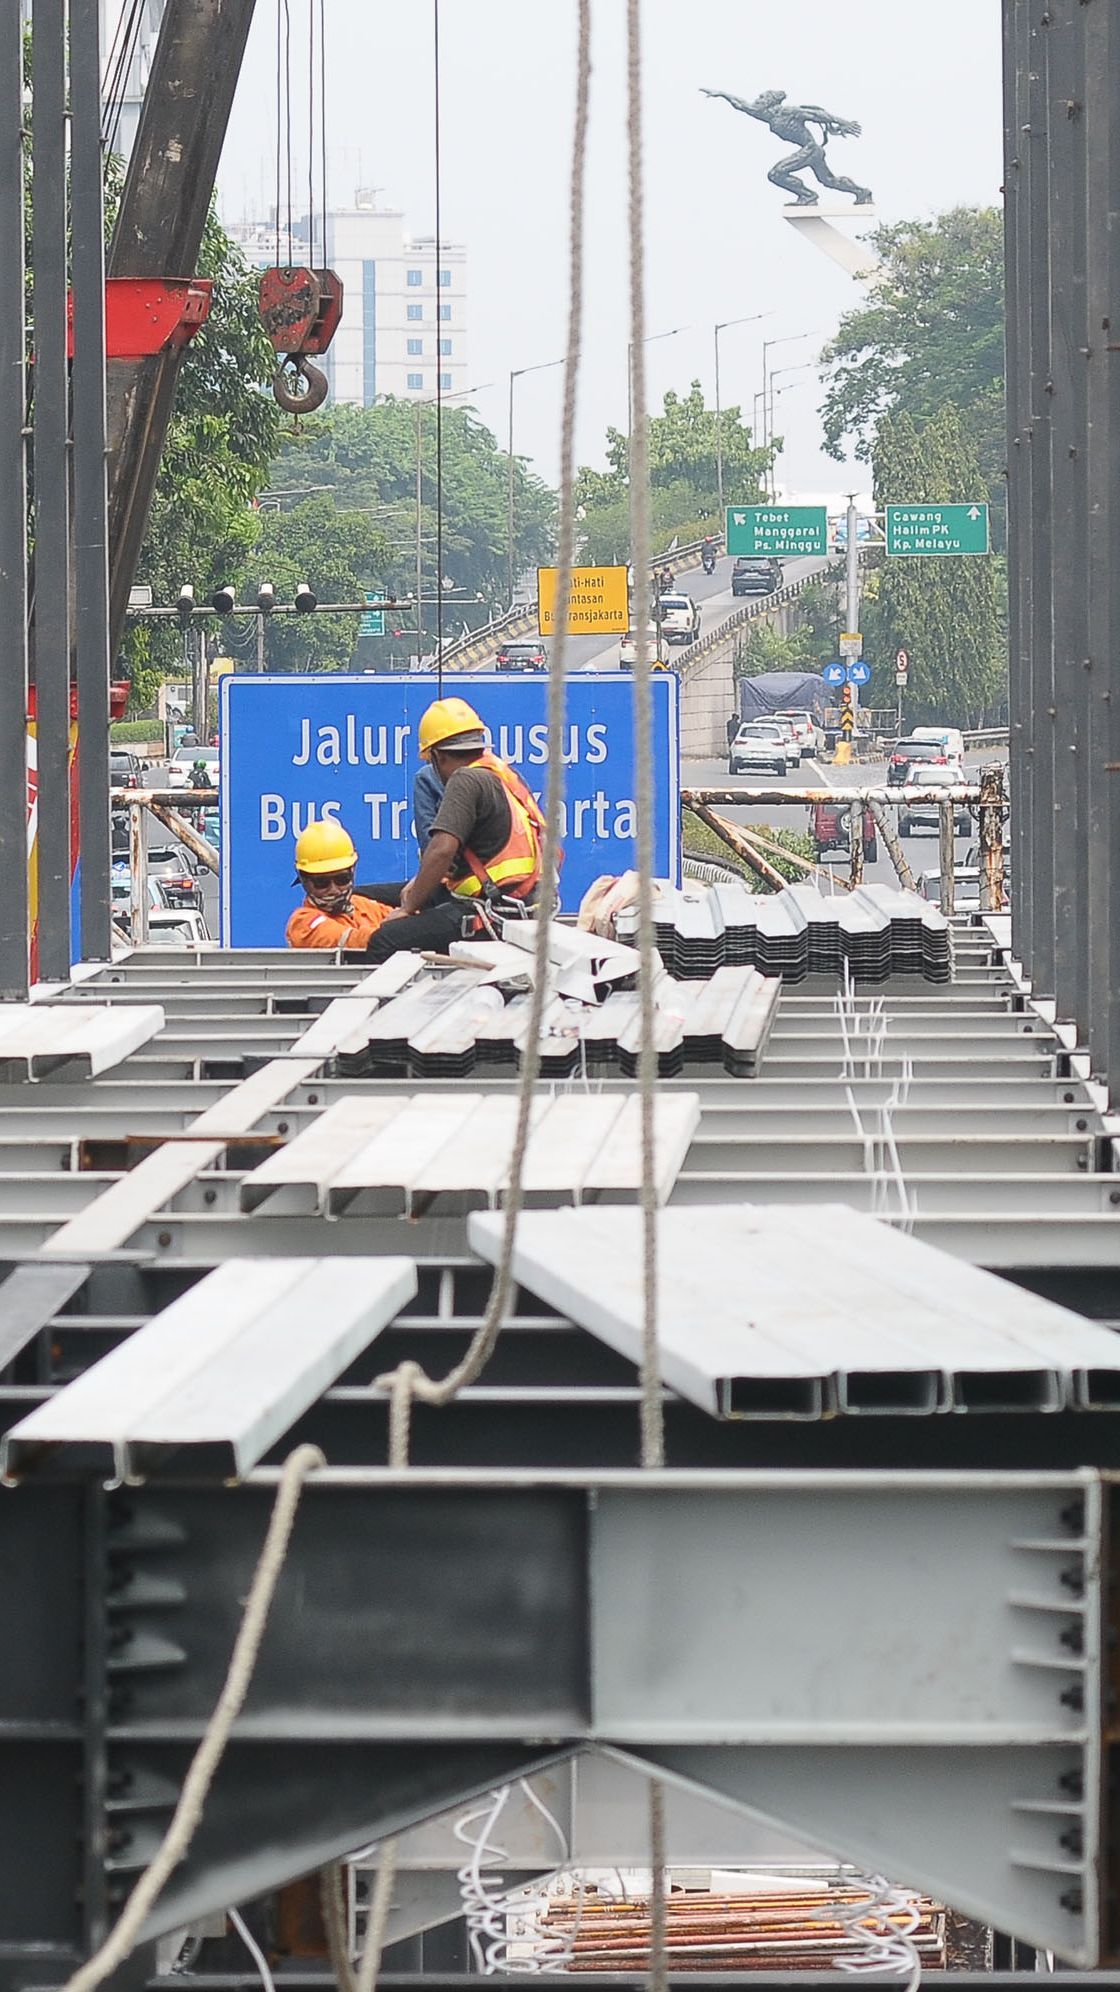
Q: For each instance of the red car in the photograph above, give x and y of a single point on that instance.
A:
(530, 656)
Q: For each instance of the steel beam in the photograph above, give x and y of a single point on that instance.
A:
(938, 1633)
(51, 621)
(13, 522)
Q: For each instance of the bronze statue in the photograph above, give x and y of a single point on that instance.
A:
(792, 122)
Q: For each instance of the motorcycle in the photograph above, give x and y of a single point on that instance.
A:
(708, 559)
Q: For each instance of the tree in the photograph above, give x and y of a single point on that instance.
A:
(365, 459)
(931, 333)
(942, 611)
(220, 444)
(684, 482)
(340, 554)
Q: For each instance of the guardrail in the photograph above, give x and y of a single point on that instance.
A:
(988, 736)
(521, 619)
(986, 798)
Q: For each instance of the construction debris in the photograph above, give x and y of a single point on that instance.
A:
(800, 1928)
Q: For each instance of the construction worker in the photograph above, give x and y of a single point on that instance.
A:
(485, 839)
(332, 914)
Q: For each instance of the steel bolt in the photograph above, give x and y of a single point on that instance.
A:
(163, 1238)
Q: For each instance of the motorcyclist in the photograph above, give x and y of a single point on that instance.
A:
(708, 555)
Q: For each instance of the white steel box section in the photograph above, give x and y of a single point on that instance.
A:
(78, 1040)
(395, 1151)
(222, 1372)
(782, 1311)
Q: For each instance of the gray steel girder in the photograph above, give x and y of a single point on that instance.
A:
(438, 1631)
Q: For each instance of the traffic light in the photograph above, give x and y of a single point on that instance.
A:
(185, 604)
(846, 696)
(266, 598)
(223, 600)
(305, 601)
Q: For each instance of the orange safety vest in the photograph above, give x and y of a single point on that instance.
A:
(516, 868)
(310, 927)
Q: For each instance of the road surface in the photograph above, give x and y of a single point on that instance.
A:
(921, 848)
(711, 593)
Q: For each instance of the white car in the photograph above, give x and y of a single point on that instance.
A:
(680, 618)
(949, 738)
(927, 815)
(628, 651)
(178, 927)
(759, 747)
(809, 735)
(792, 743)
(183, 760)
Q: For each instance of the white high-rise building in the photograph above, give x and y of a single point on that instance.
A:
(404, 323)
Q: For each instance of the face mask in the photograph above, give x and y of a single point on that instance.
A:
(330, 894)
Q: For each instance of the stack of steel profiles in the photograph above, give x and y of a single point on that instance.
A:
(876, 932)
(473, 1019)
(798, 1929)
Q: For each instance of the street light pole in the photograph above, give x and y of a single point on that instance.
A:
(652, 339)
(542, 366)
(767, 344)
(725, 325)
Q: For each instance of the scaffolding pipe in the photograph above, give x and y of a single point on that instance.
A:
(893, 845)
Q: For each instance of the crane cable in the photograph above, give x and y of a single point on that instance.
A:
(652, 1412)
(409, 1382)
(439, 363)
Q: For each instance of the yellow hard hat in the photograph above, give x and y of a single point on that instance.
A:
(447, 720)
(325, 847)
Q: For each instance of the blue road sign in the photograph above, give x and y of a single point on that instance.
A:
(297, 750)
(858, 671)
(835, 673)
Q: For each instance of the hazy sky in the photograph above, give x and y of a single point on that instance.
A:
(923, 81)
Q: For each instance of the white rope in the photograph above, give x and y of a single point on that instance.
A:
(653, 1420)
(409, 1381)
(176, 1841)
(381, 1901)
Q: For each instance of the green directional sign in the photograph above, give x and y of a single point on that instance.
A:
(917, 530)
(782, 532)
(372, 623)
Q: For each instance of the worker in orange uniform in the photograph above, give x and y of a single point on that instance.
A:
(485, 840)
(333, 915)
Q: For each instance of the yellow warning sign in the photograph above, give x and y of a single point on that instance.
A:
(847, 719)
(598, 604)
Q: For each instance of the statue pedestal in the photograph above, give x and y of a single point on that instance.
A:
(816, 226)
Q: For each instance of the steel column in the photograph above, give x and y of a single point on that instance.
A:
(1017, 236)
(13, 522)
(1102, 158)
(91, 557)
(51, 622)
(1038, 547)
(1068, 472)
